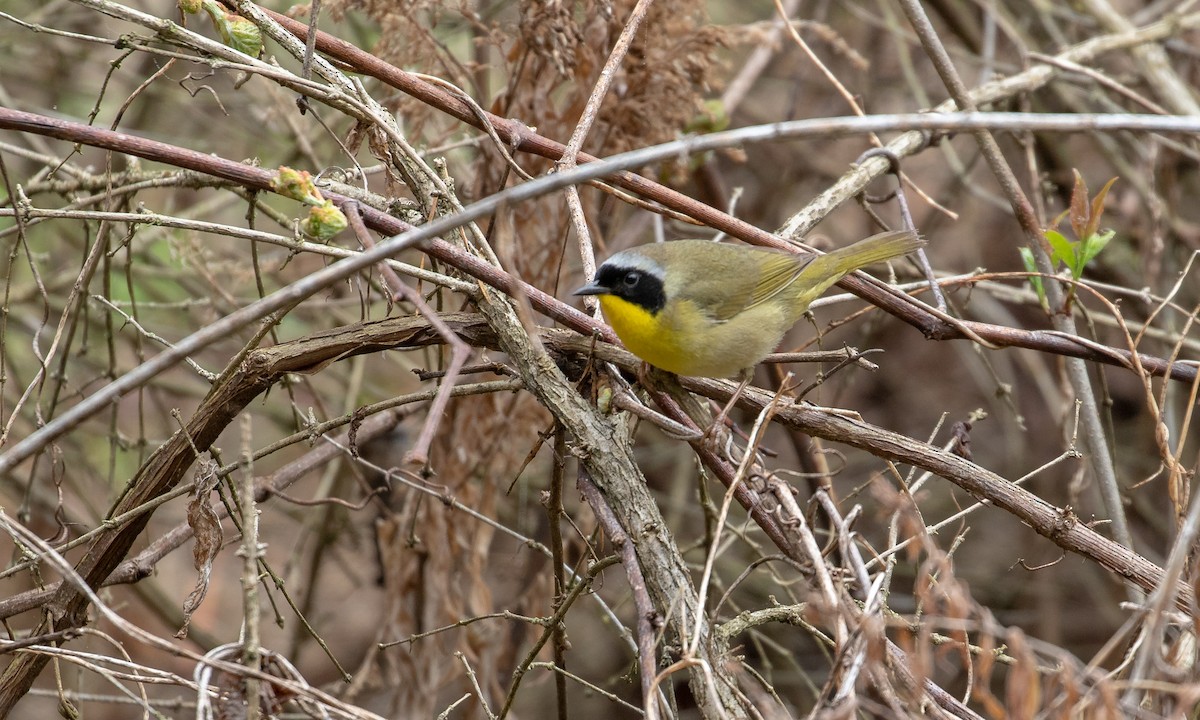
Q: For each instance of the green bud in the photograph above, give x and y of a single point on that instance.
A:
(604, 400)
(297, 185)
(236, 31)
(324, 222)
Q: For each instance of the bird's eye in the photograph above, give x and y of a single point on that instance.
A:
(631, 279)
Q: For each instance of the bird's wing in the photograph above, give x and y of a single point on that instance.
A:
(732, 293)
(720, 303)
(779, 270)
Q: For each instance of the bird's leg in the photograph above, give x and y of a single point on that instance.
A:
(722, 418)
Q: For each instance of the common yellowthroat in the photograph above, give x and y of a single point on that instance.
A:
(695, 307)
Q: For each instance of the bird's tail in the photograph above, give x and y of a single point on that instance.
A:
(827, 269)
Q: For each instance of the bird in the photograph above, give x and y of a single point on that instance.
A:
(710, 309)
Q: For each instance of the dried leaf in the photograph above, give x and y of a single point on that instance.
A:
(1023, 692)
(982, 677)
(961, 433)
(206, 525)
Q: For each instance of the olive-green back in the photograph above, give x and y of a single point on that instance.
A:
(724, 280)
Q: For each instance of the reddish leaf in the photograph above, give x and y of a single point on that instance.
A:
(1097, 210)
(1079, 206)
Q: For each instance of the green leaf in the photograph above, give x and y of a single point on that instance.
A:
(1094, 244)
(712, 118)
(1034, 280)
(236, 31)
(1027, 258)
(1063, 249)
(242, 35)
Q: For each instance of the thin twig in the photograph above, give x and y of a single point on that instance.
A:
(590, 110)
(647, 638)
(459, 350)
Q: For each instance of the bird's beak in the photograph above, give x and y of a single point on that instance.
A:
(592, 289)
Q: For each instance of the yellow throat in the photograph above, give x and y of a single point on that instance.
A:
(643, 333)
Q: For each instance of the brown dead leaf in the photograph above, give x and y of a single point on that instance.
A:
(206, 525)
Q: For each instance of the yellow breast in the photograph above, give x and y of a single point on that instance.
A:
(644, 334)
(683, 340)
